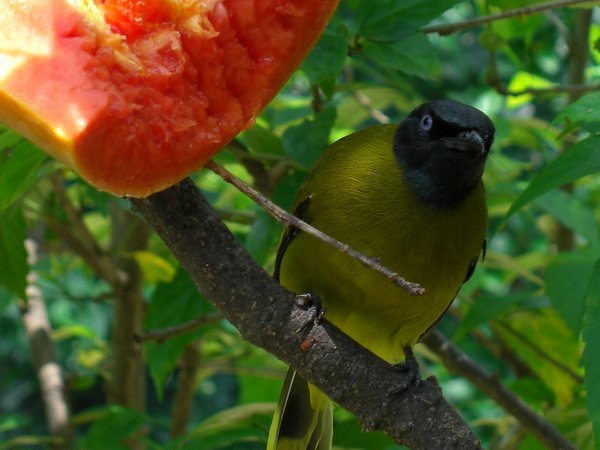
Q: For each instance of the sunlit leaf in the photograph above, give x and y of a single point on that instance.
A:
(544, 342)
(155, 268)
(522, 81)
(73, 330)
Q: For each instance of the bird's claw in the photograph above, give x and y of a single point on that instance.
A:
(312, 304)
(410, 369)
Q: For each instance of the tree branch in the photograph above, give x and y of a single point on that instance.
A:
(449, 28)
(44, 357)
(266, 315)
(79, 238)
(127, 386)
(163, 334)
(459, 363)
(186, 383)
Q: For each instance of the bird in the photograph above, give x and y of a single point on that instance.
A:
(410, 195)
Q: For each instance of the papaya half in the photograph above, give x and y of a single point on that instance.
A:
(136, 95)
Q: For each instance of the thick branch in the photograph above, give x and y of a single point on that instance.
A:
(265, 314)
(460, 364)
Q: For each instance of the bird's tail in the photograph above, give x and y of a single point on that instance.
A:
(303, 419)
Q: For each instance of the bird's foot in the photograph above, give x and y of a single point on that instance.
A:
(312, 304)
(410, 369)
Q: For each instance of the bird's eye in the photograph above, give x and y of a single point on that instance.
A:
(426, 122)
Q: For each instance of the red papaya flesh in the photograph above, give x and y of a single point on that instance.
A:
(136, 95)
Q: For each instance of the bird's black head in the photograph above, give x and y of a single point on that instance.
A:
(442, 147)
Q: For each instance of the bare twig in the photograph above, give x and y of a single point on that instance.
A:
(44, 356)
(366, 103)
(286, 218)
(163, 334)
(459, 363)
(449, 28)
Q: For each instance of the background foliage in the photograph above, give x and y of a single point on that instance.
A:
(531, 313)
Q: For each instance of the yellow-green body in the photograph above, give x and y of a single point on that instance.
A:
(358, 196)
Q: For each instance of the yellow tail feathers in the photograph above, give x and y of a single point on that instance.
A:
(303, 419)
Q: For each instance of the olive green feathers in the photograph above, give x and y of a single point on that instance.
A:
(410, 195)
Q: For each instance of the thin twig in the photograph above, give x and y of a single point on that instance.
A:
(163, 334)
(449, 28)
(366, 103)
(288, 219)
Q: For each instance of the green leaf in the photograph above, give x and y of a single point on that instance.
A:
(261, 242)
(567, 279)
(245, 423)
(541, 339)
(576, 162)
(525, 80)
(389, 20)
(20, 163)
(325, 61)
(413, 55)
(73, 331)
(572, 213)
(486, 308)
(13, 232)
(591, 336)
(584, 111)
(154, 268)
(349, 434)
(305, 142)
(172, 304)
(115, 426)
(262, 141)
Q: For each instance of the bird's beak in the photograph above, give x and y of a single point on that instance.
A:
(467, 141)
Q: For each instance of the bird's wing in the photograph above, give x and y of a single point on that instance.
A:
(290, 233)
